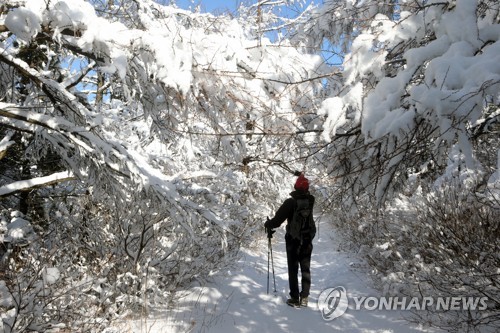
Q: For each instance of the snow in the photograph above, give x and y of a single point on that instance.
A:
(208, 74)
(5, 143)
(5, 297)
(24, 22)
(29, 183)
(334, 109)
(236, 301)
(19, 230)
(51, 275)
(6, 301)
(71, 14)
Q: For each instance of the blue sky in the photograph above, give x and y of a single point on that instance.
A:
(219, 6)
(212, 6)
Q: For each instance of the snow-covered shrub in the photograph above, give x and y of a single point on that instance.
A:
(98, 260)
(457, 249)
(38, 290)
(438, 242)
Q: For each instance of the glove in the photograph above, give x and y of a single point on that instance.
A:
(270, 232)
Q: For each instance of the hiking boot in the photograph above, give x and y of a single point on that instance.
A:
(304, 301)
(293, 302)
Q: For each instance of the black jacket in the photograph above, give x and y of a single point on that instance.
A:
(285, 212)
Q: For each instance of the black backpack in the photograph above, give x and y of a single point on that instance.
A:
(302, 225)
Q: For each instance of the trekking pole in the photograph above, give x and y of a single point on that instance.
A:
(270, 233)
(268, 249)
(272, 265)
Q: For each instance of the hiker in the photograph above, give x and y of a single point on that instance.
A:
(298, 243)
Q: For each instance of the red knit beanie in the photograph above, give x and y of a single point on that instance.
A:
(302, 184)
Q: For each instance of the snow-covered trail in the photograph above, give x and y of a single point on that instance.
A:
(237, 301)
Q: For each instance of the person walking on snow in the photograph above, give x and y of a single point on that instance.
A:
(298, 248)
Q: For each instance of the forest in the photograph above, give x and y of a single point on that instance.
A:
(142, 146)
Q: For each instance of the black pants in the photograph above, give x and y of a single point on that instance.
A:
(299, 255)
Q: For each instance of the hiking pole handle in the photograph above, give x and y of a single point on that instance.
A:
(270, 232)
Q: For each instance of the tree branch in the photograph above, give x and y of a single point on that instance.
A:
(34, 183)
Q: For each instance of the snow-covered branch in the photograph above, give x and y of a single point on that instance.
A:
(34, 183)
(5, 143)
